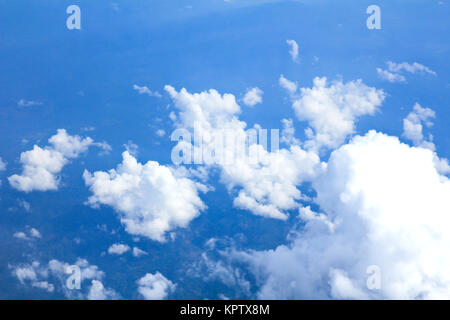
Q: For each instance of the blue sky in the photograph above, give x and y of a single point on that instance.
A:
(82, 81)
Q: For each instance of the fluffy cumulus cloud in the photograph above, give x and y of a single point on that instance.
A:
(41, 166)
(268, 187)
(253, 96)
(151, 199)
(266, 184)
(53, 277)
(331, 111)
(155, 286)
(118, 248)
(293, 51)
(384, 208)
(395, 70)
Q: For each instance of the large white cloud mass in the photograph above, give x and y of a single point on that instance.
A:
(152, 199)
(41, 166)
(384, 204)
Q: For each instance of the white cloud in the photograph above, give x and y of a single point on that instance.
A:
(138, 252)
(160, 132)
(331, 111)
(389, 76)
(155, 286)
(33, 233)
(253, 96)
(393, 74)
(41, 166)
(20, 235)
(150, 198)
(288, 132)
(209, 269)
(413, 128)
(269, 187)
(293, 49)
(267, 184)
(147, 91)
(99, 292)
(411, 68)
(389, 207)
(290, 86)
(53, 276)
(28, 103)
(118, 248)
(24, 204)
(2, 165)
(132, 148)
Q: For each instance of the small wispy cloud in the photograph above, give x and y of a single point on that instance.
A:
(28, 103)
(395, 71)
(389, 76)
(147, 91)
(411, 68)
(294, 49)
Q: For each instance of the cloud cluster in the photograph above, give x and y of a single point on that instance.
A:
(152, 199)
(384, 204)
(267, 184)
(28, 103)
(52, 277)
(155, 286)
(41, 166)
